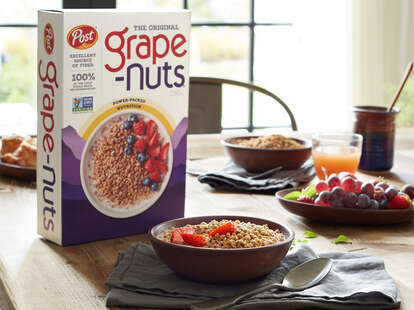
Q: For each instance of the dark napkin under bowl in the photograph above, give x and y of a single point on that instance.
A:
(213, 265)
(260, 160)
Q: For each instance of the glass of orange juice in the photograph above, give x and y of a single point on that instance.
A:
(336, 152)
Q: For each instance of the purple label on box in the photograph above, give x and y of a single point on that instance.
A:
(82, 222)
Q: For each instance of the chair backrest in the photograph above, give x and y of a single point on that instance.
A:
(205, 103)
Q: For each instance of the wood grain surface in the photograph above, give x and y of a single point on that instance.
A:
(36, 274)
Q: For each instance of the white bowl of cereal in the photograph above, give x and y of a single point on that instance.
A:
(221, 249)
(126, 163)
(262, 153)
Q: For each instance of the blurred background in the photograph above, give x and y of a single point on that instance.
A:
(319, 56)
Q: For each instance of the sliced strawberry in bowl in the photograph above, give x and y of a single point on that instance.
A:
(194, 240)
(154, 140)
(223, 229)
(151, 128)
(155, 151)
(164, 151)
(176, 234)
(176, 237)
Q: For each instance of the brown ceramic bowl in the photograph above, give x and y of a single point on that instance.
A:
(260, 160)
(220, 265)
(343, 215)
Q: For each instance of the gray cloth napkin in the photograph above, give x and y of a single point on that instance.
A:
(356, 281)
(235, 178)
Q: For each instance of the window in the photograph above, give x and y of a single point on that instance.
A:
(314, 55)
(18, 45)
(223, 45)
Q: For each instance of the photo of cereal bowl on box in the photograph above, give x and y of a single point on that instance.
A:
(126, 163)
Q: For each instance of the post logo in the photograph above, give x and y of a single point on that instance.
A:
(48, 39)
(82, 37)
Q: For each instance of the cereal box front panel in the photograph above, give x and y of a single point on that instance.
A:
(124, 122)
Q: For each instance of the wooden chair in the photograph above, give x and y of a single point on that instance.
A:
(205, 103)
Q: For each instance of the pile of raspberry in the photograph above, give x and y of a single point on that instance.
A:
(151, 152)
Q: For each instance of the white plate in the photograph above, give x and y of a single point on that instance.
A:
(103, 205)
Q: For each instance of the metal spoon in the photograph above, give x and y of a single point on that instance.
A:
(299, 278)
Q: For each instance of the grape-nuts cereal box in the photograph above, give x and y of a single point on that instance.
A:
(112, 122)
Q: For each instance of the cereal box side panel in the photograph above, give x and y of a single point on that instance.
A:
(49, 100)
(82, 85)
(104, 193)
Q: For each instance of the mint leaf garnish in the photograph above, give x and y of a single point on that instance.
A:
(309, 191)
(293, 195)
(310, 234)
(341, 239)
(293, 244)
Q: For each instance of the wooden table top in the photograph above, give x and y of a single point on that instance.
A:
(37, 274)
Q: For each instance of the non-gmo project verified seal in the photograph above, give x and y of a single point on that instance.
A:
(82, 104)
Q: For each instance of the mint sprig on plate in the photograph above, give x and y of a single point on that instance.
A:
(293, 195)
(309, 191)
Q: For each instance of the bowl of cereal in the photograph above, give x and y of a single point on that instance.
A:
(262, 153)
(221, 249)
